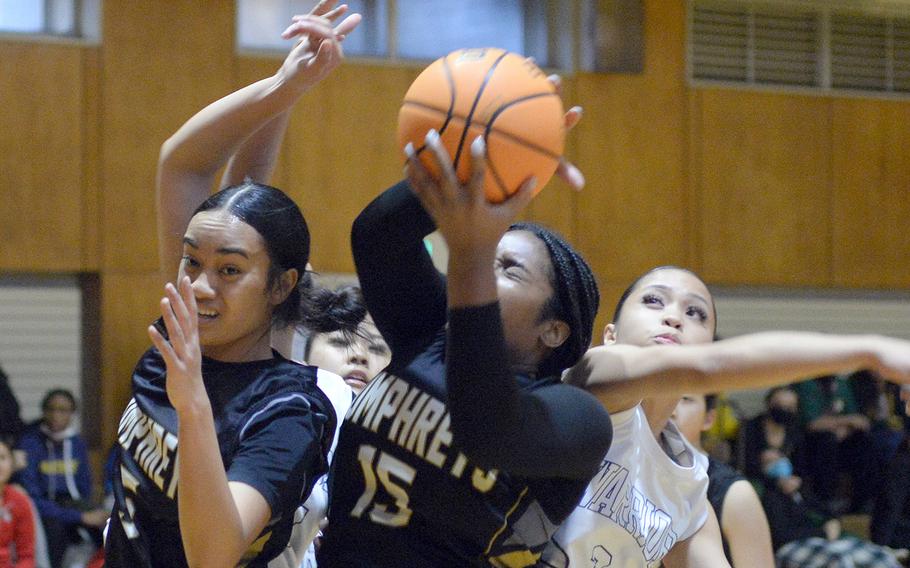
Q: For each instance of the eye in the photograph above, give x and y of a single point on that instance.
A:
(340, 342)
(379, 348)
(652, 300)
(230, 270)
(190, 262)
(697, 312)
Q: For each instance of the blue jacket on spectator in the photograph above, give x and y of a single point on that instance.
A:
(58, 472)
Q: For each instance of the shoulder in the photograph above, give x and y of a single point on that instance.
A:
(17, 498)
(741, 503)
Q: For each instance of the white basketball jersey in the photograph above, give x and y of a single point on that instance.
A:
(308, 516)
(639, 504)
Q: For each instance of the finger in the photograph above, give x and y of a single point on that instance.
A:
(174, 331)
(178, 305)
(175, 334)
(189, 300)
(448, 181)
(517, 202)
(348, 24)
(420, 180)
(570, 174)
(316, 28)
(322, 7)
(556, 81)
(160, 343)
(478, 170)
(573, 115)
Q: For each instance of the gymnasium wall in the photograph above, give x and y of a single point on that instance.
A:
(746, 187)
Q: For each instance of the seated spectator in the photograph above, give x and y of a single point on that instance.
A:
(17, 528)
(776, 429)
(803, 532)
(58, 477)
(744, 528)
(839, 447)
(890, 524)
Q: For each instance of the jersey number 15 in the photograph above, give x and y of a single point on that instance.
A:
(391, 472)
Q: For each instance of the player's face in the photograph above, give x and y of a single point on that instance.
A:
(523, 271)
(58, 413)
(690, 415)
(6, 464)
(668, 307)
(228, 264)
(357, 358)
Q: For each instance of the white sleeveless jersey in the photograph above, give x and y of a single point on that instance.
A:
(638, 505)
(307, 517)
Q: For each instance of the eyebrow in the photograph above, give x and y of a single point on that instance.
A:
(222, 250)
(668, 289)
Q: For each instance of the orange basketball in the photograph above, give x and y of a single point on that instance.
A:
(494, 93)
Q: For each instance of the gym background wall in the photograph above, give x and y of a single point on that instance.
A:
(748, 187)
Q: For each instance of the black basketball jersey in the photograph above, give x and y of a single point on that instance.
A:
(403, 491)
(274, 427)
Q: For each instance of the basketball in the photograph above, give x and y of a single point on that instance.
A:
(496, 94)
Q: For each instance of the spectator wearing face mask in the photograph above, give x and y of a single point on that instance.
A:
(802, 532)
(776, 433)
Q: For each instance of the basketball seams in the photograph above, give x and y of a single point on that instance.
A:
(488, 126)
(486, 80)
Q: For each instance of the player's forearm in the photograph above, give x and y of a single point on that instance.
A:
(257, 156)
(752, 361)
(207, 140)
(210, 525)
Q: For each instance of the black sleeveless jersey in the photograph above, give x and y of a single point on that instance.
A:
(403, 490)
(274, 427)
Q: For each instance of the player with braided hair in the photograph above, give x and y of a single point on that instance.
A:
(467, 450)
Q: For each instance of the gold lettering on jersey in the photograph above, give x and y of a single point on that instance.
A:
(415, 421)
(152, 447)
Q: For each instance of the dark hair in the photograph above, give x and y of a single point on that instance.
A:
(279, 221)
(574, 301)
(342, 309)
(710, 402)
(65, 393)
(628, 291)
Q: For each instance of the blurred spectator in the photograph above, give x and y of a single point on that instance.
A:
(890, 524)
(58, 478)
(840, 456)
(803, 532)
(17, 524)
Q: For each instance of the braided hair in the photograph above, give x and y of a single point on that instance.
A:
(575, 298)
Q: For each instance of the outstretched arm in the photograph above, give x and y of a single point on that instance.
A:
(551, 431)
(623, 375)
(190, 159)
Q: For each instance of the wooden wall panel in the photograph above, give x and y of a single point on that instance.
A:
(156, 75)
(341, 152)
(91, 160)
(631, 146)
(764, 199)
(41, 157)
(871, 187)
(129, 303)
